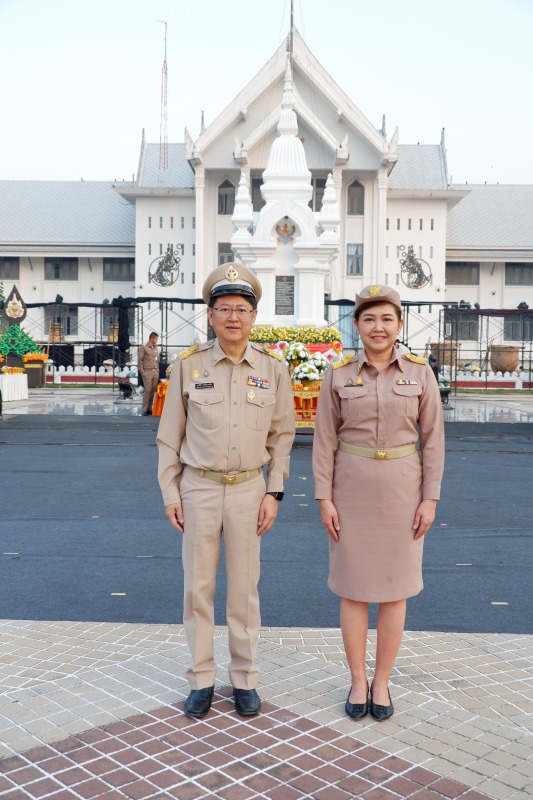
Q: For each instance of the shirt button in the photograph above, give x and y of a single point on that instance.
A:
(234, 402)
(234, 381)
(233, 448)
(382, 416)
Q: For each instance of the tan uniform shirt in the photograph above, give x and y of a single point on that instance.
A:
(225, 417)
(379, 410)
(148, 358)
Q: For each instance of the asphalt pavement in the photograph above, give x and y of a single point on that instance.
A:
(83, 536)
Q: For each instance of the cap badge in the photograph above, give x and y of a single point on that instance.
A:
(373, 291)
(231, 274)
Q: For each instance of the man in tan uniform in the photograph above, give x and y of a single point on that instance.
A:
(228, 412)
(149, 369)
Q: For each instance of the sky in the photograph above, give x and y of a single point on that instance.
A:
(80, 79)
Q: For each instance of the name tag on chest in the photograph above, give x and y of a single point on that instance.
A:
(204, 385)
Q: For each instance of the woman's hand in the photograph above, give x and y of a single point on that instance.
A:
(330, 519)
(424, 517)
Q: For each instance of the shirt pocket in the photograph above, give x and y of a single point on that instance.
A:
(259, 411)
(352, 400)
(406, 400)
(208, 408)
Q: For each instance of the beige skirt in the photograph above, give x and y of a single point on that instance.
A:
(377, 559)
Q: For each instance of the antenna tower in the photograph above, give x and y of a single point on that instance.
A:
(163, 135)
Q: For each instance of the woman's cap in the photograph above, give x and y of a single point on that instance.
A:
(377, 294)
(233, 278)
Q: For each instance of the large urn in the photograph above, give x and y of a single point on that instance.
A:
(504, 358)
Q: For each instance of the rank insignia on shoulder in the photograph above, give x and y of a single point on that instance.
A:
(189, 351)
(267, 349)
(414, 359)
(404, 382)
(261, 383)
(342, 362)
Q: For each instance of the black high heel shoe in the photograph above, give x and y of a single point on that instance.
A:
(381, 712)
(356, 710)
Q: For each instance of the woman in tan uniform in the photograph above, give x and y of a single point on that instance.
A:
(377, 493)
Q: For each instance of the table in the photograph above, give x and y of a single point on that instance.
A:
(14, 387)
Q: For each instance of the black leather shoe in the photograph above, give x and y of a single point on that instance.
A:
(381, 712)
(247, 702)
(356, 710)
(146, 413)
(198, 702)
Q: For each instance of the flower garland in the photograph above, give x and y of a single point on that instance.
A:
(35, 356)
(306, 334)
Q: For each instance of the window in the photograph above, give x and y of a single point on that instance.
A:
(119, 269)
(160, 222)
(194, 249)
(66, 315)
(354, 259)
(9, 268)
(149, 222)
(409, 224)
(398, 224)
(319, 185)
(226, 198)
(432, 225)
(257, 197)
(462, 273)
(421, 224)
(183, 222)
(149, 249)
(110, 314)
(431, 252)
(194, 222)
(183, 306)
(386, 251)
(61, 269)
(194, 277)
(344, 324)
(519, 274)
(183, 277)
(387, 224)
(463, 325)
(225, 253)
(356, 200)
(160, 249)
(518, 329)
(171, 222)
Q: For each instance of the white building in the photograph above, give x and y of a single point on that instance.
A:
(88, 242)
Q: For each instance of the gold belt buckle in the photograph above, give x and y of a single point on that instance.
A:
(229, 477)
(381, 454)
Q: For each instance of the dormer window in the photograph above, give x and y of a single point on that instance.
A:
(226, 198)
(356, 199)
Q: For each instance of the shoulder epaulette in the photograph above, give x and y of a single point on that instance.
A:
(267, 349)
(189, 351)
(342, 362)
(414, 359)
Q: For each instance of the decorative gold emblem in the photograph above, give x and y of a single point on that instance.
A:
(251, 395)
(373, 291)
(231, 274)
(381, 454)
(359, 381)
(14, 308)
(196, 374)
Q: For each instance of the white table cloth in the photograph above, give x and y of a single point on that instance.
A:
(14, 387)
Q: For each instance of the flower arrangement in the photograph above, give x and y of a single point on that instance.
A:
(12, 370)
(305, 334)
(319, 362)
(306, 371)
(294, 352)
(35, 356)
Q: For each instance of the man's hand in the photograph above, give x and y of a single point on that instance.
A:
(267, 514)
(425, 514)
(330, 519)
(174, 513)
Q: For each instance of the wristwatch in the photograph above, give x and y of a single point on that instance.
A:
(277, 495)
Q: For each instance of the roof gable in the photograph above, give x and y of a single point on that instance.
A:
(492, 216)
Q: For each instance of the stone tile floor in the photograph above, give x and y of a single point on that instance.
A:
(94, 711)
(96, 400)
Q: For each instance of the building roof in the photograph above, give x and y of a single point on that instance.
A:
(492, 216)
(64, 212)
(419, 166)
(178, 175)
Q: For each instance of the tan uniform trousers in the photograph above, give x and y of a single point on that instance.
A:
(210, 508)
(150, 380)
